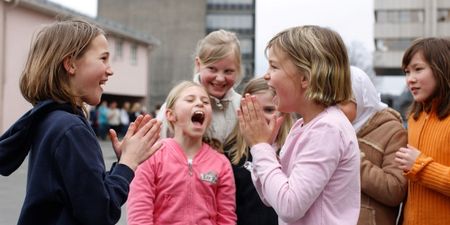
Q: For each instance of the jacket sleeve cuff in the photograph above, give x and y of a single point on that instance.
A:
(123, 171)
(418, 165)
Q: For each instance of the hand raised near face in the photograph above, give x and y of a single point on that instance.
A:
(139, 143)
(252, 123)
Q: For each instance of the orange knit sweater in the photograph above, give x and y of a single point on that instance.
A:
(428, 199)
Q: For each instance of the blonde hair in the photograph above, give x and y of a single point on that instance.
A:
(321, 54)
(173, 96)
(216, 46)
(235, 143)
(44, 76)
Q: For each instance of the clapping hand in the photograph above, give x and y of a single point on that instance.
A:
(139, 143)
(253, 124)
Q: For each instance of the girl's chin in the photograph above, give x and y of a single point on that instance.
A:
(92, 101)
(217, 92)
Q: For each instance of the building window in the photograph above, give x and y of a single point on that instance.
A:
(118, 49)
(443, 15)
(133, 54)
(246, 46)
(399, 16)
(400, 44)
(224, 21)
(230, 4)
(224, 2)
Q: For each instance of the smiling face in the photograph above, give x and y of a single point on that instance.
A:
(90, 72)
(283, 77)
(219, 76)
(191, 112)
(420, 79)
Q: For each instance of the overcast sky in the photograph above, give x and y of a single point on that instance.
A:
(353, 19)
(88, 7)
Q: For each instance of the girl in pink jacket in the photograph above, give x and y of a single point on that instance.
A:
(187, 181)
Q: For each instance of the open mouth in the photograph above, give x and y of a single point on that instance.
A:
(102, 83)
(198, 117)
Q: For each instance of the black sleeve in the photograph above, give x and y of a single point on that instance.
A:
(95, 196)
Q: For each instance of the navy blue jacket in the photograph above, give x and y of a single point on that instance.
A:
(250, 210)
(67, 182)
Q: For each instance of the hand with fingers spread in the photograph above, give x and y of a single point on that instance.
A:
(116, 143)
(139, 143)
(406, 157)
(252, 123)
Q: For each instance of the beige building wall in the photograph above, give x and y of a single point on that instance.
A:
(18, 23)
(177, 24)
(128, 78)
(399, 22)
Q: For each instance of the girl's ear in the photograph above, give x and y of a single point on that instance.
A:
(170, 115)
(304, 81)
(69, 65)
(197, 64)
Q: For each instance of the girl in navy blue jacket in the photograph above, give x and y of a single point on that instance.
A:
(67, 183)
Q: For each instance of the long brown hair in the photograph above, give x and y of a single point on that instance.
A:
(44, 76)
(235, 143)
(436, 52)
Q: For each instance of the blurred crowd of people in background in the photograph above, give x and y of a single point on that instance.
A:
(112, 115)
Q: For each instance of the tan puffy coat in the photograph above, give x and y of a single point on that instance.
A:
(383, 186)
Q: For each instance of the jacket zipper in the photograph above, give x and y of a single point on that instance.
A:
(190, 167)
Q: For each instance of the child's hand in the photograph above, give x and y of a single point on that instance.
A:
(252, 123)
(278, 122)
(406, 157)
(140, 142)
(116, 144)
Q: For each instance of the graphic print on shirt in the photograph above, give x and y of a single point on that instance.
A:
(210, 177)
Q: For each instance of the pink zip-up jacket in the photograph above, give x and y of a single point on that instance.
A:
(169, 189)
(316, 181)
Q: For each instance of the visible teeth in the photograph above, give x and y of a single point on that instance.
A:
(198, 116)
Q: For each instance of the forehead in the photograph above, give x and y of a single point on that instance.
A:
(228, 61)
(193, 91)
(276, 55)
(99, 43)
(264, 97)
(415, 59)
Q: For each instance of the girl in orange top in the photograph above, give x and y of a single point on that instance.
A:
(426, 159)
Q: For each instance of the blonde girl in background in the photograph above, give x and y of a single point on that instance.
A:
(67, 66)
(250, 209)
(186, 181)
(217, 68)
(316, 179)
(426, 159)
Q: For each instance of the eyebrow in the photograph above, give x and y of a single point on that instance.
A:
(193, 96)
(418, 64)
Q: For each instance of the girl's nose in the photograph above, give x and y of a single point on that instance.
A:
(411, 79)
(220, 77)
(266, 76)
(109, 71)
(199, 103)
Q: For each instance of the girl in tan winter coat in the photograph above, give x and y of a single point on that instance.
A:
(380, 134)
